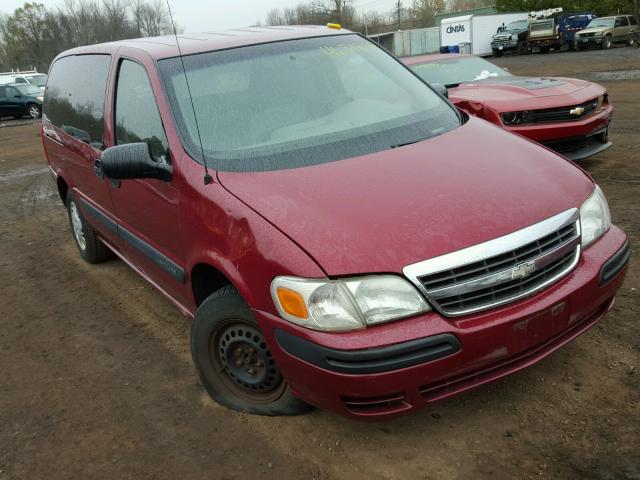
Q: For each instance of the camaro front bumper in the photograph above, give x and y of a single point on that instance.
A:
(395, 368)
(575, 140)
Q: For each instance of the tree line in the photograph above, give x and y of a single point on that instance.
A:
(405, 15)
(33, 35)
(422, 13)
(599, 7)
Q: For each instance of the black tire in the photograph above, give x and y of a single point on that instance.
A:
(606, 42)
(233, 361)
(34, 110)
(545, 49)
(91, 249)
(497, 53)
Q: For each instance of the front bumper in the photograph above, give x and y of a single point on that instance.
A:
(587, 41)
(491, 344)
(575, 140)
(505, 46)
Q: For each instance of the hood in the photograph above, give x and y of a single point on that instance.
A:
(522, 93)
(594, 30)
(381, 212)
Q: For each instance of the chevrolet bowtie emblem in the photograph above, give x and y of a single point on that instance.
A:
(576, 111)
(523, 270)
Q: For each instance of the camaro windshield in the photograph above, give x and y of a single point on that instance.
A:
(38, 80)
(453, 71)
(29, 90)
(601, 22)
(296, 103)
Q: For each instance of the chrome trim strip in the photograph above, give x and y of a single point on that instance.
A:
(492, 248)
(540, 262)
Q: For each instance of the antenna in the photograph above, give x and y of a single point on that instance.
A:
(207, 178)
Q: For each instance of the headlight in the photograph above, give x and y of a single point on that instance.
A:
(40, 98)
(595, 218)
(513, 37)
(516, 118)
(346, 304)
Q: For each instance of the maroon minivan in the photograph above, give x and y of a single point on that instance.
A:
(340, 234)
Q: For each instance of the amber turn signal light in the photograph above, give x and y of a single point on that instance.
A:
(292, 302)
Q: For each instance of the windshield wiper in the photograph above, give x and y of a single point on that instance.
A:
(411, 142)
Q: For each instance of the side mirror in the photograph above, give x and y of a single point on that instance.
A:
(133, 160)
(441, 89)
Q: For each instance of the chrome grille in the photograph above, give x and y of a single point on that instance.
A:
(501, 270)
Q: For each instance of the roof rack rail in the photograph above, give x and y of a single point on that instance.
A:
(21, 72)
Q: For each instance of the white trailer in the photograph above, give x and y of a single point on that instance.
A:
(476, 30)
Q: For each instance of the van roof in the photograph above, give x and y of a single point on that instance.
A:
(190, 43)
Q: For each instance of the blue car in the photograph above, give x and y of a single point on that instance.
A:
(18, 100)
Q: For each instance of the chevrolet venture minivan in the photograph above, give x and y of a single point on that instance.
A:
(340, 234)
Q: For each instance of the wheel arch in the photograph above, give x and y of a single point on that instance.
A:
(63, 188)
(206, 279)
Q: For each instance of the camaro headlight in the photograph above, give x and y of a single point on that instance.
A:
(516, 118)
(346, 304)
(595, 218)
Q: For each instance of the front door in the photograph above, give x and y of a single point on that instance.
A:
(147, 209)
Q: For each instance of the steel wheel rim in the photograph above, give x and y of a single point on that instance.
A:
(78, 229)
(243, 362)
(34, 112)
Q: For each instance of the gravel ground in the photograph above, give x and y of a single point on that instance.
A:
(97, 379)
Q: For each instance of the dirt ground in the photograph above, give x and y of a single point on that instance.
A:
(96, 380)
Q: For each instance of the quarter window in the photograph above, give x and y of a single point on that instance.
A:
(74, 98)
(137, 117)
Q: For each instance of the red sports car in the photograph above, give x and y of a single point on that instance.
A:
(567, 115)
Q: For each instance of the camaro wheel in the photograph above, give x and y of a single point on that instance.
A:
(233, 360)
(91, 248)
(34, 111)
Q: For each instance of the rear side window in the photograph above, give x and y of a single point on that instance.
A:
(20, 80)
(632, 21)
(74, 98)
(622, 22)
(137, 116)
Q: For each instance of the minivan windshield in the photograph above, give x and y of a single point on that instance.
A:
(451, 72)
(301, 102)
(601, 22)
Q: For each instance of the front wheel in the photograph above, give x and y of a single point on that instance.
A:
(545, 49)
(34, 111)
(606, 42)
(233, 360)
(497, 53)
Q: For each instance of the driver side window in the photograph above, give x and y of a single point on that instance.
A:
(136, 114)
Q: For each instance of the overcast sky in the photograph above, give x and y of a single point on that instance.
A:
(203, 15)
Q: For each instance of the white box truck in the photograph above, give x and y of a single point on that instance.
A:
(476, 30)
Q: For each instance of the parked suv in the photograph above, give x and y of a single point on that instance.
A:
(606, 31)
(18, 100)
(512, 39)
(341, 235)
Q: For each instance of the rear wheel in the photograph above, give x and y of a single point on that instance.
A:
(92, 250)
(631, 41)
(34, 111)
(523, 48)
(233, 360)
